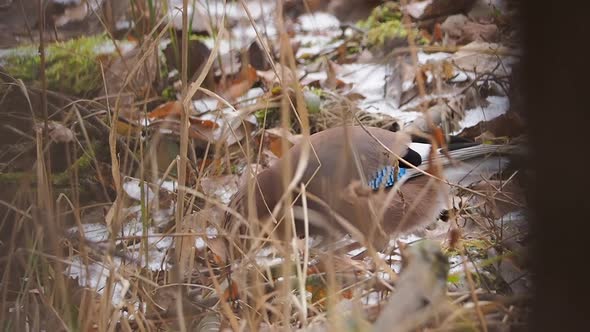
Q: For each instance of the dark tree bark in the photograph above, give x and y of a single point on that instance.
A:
(556, 105)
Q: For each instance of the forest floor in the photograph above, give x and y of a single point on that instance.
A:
(119, 163)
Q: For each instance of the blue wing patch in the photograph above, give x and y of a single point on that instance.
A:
(385, 177)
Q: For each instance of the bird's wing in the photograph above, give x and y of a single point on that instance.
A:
(468, 164)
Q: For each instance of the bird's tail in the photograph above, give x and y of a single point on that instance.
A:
(467, 165)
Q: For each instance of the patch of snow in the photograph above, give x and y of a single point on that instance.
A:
(514, 215)
(498, 106)
(92, 232)
(200, 243)
(383, 275)
(409, 238)
(205, 104)
(108, 47)
(94, 275)
(313, 44)
(243, 35)
(461, 76)
(456, 265)
(266, 261)
(356, 251)
(225, 46)
(369, 79)
(161, 216)
(169, 185)
(424, 58)
(163, 242)
(318, 21)
(373, 298)
(387, 107)
(212, 232)
(133, 189)
(416, 9)
(250, 97)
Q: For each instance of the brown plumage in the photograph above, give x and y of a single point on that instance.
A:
(337, 190)
(339, 199)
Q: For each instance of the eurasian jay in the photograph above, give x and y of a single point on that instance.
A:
(348, 180)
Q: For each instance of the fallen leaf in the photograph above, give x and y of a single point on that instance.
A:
(453, 26)
(285, 75)
(341, 53)
(124, 127)
(231, 293)
(483, 57)
(241, 84)
(173, 109)
(476, 31)
(448, 70)
(437, 34)
(257, 57)
(219, 249)
(202, 134)
(276, 146)
(332, 81)
(198, 53)
(274, 138)
(509, 124)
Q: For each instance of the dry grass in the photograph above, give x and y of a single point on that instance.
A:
(202, 290)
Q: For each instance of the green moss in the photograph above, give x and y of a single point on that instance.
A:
(71, 66)
(85, 161)
(353, 49)
(169, 93)
(273, 116)
(61, 179)
(84, 164)
(386, 12)
(385, 23)
(13, 177)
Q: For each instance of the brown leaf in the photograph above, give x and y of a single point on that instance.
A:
(354, 96)
(506, 125)
(257, 56)
(448, 70)
(270, 78)
(437, 35)
(274, 137)
(332, 81)
(341, 52)
(173, 109)
(476, 31)
(484, 57)
(231, 292)
(126, 128)
(219, 249)
(202, 134)
(241, 84)
(453, 26)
